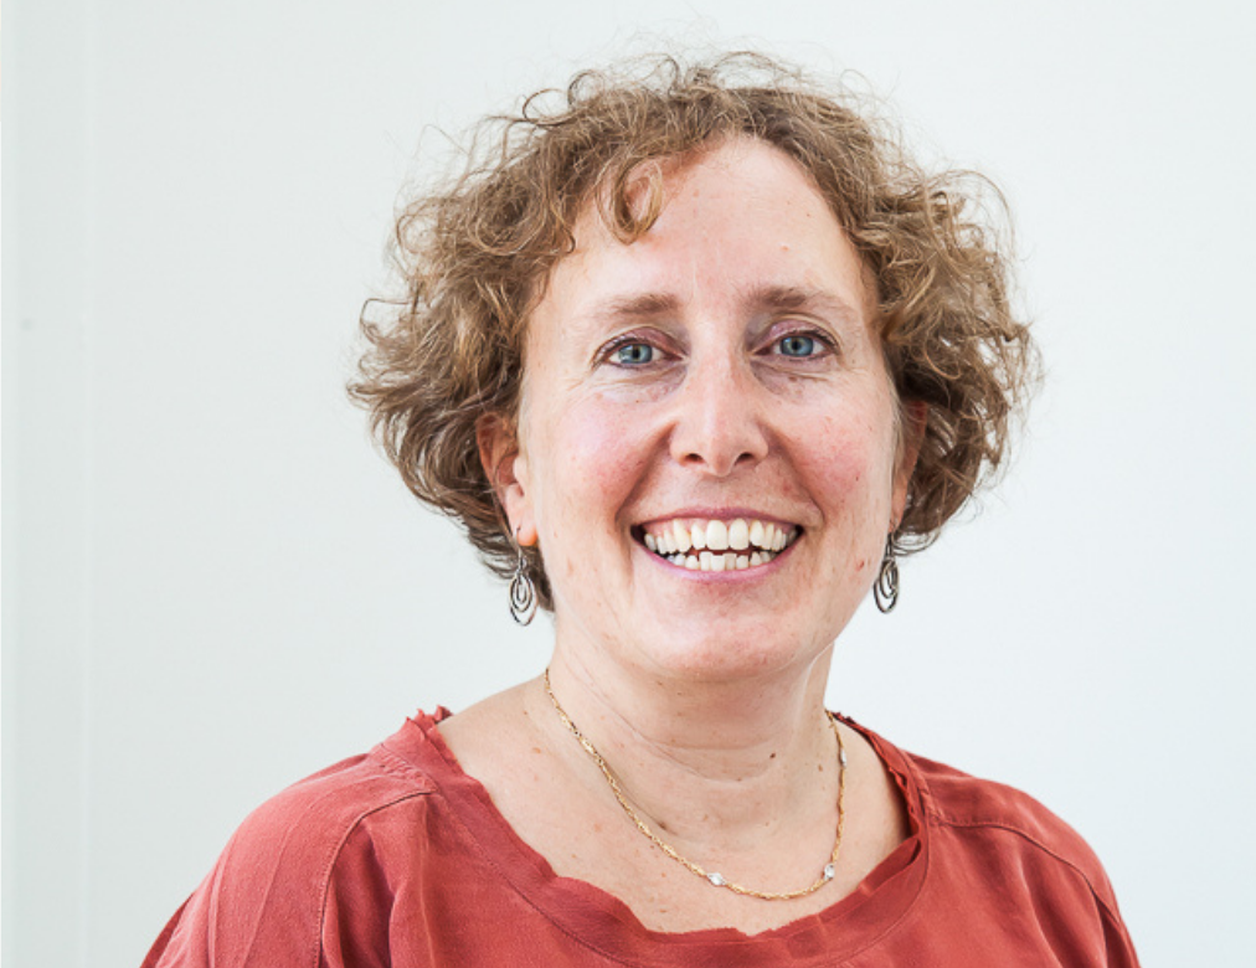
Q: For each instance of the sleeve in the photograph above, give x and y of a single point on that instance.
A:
(1077, 862)
(1119, 948)
(1037, 877)
(290, 890)
(252, 910)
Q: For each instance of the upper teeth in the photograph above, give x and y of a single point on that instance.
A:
(675, 539)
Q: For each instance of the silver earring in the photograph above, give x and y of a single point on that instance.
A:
(522, 592)
(885, 591)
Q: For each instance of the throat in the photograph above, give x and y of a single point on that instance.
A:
(708, 831)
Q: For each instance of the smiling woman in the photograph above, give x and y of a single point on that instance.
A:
(692, 355)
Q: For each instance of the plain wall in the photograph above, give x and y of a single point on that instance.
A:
(214, 586)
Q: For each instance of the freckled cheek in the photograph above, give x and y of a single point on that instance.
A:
(597, 463)
(844, 470)
(844, 462)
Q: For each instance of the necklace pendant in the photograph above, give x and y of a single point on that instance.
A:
(716, 878)
(829, 872)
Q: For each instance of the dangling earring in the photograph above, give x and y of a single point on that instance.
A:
(885, 591)
(522, 590)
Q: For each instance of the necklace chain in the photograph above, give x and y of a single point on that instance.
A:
(713, 877)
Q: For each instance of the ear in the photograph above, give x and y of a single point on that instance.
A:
(507, 472)
(915, 416)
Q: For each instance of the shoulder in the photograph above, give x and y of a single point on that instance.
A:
(266, 901)
(1022, 828)
(958, 799)
(992, 822)
(1002, 874)
(315, 815)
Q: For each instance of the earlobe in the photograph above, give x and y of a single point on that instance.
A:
(506, 469)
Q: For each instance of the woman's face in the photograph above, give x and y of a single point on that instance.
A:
(717, 382)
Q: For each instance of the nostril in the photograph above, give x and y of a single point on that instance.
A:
(716, 463)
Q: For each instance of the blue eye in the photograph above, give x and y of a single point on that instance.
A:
(797, 344)
(634, 354)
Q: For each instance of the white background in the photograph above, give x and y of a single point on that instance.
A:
(213, 586)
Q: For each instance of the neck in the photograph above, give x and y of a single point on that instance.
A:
(718, 764)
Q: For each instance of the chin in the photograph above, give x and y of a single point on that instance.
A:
(732, 654)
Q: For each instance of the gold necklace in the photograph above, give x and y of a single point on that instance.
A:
(714, 877)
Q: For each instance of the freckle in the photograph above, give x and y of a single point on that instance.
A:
(772, 757)
(537, 749)
(662, 826)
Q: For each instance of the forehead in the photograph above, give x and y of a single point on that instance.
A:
(740, 216)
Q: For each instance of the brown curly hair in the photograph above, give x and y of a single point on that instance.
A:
(475, 256)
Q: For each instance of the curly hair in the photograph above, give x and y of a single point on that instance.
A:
(475, 256)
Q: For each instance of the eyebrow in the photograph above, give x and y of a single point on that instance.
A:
(802, 297)
(766, 298)
(642, 306)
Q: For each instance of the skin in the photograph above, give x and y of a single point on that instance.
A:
(723, 365)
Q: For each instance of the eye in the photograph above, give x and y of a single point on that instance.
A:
(636, 353)
(797, 344)
(805, 345)
(633, 354)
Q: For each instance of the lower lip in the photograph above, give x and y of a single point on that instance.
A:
(736, 575)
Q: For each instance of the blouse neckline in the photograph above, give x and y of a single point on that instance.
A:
(607, 925)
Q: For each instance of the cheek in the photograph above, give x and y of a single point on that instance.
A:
(596, 460)
(848, 464)
(592, 466)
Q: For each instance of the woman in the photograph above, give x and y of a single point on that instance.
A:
(692, 358)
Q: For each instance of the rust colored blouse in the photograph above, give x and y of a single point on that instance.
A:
(398, 858)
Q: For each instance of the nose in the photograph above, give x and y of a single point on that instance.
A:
(719, 421)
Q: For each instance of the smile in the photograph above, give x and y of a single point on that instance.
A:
(710, 544)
